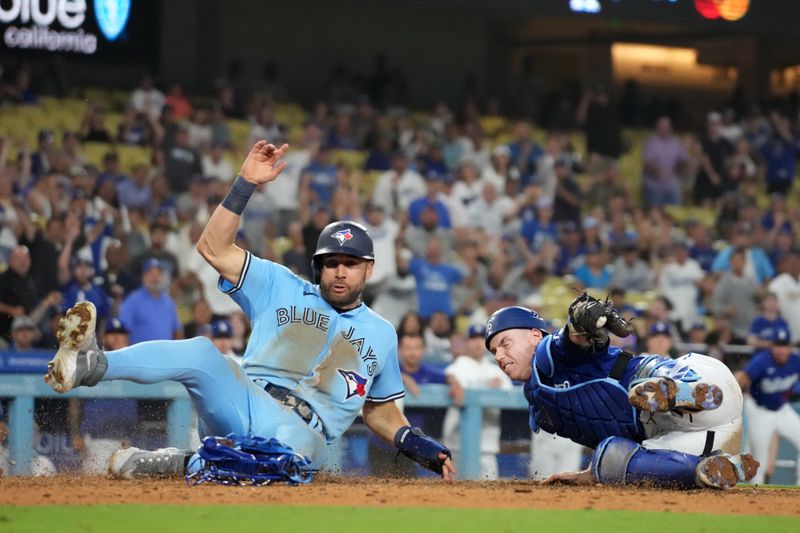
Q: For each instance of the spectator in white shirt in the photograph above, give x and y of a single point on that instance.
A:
(474, 370)
(216, 165)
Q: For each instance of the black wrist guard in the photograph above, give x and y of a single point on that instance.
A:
(416, 445)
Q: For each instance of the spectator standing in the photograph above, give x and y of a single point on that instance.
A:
(735, 296)
(18, 293)
(679, 282)
(181, 163)
(385, 232)
(662, 156)
(474, 370)
(216, 165)
(435, 280)
(148, 99)
(595, 272)
(568, 194)
(398, 187)
(786, 286)
(711, 181)
(601, 123)
(757, 263)
(780, 155)
(149, 311)
(82, 289)
(767, 323)
(631, 271)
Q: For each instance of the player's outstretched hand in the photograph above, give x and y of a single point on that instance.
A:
(584, 477)
(263, 163)
(448, 470)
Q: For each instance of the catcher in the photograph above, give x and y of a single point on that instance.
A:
(317, 355)
(668, 422)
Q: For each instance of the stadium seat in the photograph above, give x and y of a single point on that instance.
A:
(352, 159)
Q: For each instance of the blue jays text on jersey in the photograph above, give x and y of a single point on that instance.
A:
(333, 360)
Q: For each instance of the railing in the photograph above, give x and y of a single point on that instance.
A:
(23, 388)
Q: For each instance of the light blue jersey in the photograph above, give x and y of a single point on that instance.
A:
(334, 361)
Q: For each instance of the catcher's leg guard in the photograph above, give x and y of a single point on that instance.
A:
(619, 461)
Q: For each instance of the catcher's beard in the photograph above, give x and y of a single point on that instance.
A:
(342, 301)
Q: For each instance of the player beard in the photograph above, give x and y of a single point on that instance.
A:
(344, 300)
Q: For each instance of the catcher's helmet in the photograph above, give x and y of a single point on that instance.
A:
(513, 317)
(344, 237)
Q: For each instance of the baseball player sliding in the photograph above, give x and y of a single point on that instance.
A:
(770, 375)
(672, 423)
(316, 357)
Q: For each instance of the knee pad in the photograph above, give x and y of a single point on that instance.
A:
(611, 459)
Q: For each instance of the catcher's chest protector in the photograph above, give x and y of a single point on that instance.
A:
(585, 413)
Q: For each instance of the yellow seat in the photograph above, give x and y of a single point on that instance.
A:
(94, 152)
(131, 156)
(493, 125)
(352, 159)
(240, 129)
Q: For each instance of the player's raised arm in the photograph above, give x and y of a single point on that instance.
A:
(216, 244)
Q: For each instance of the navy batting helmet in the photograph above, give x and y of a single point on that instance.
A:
(344, 237)
(513, 317)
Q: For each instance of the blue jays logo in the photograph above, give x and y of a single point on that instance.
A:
(356, 384)
(342, 236)
(112, 16)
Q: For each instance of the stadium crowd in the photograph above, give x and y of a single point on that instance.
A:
(692, 233)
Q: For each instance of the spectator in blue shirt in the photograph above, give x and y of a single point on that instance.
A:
(82, 289)
(571, 250)
(434, 278)
(525, 153)
(701, 249)
(594, 273)
(149, 312)
(319, 177)
(757, 263)
(764, 326)
(431, 200)
(780, 154)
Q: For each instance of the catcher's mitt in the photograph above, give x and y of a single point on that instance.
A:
(591, 317)
(237, 460)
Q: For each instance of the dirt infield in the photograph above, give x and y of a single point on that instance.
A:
(76, 490)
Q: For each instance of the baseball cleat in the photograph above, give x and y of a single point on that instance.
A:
(665, 394)
(78, 361)
(723, 471)
(131, 463)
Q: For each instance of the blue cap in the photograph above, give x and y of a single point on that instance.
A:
(476, 330)
(115, 325)
(221, 328)
(152, 263)
(698, 325)
(660, 328)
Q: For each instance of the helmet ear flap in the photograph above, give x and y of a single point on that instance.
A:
(316, 273)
